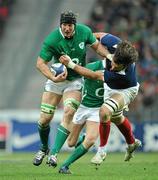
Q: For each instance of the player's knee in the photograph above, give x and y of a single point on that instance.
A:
(47, 112)
(70, 107)
(109, 107)
(71, 103)
(104, 114)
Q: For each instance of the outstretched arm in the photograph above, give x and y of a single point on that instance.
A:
(66, 60)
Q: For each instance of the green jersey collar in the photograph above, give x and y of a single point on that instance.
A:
(63, 34)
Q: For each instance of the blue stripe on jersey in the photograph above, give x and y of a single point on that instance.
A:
(120, 81)
(110, 41)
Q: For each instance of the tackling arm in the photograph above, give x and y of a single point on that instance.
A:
(66, 60)
(100, 49)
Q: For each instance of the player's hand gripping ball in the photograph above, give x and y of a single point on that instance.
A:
(57, 68)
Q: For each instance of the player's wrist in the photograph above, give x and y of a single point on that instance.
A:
(71, 65)
(110, 56)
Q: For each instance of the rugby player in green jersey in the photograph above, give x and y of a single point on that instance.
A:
(87, 115)
(71, 39)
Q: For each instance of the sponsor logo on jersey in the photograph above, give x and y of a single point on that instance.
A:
(81, 45)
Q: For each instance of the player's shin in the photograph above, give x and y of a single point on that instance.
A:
(126, 130)
(44, 134)
(104, 131)
(76, 154)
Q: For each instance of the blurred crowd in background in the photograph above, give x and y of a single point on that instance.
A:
(136, 21)
(5, 10)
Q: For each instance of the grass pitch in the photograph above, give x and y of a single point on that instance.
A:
(18, 166)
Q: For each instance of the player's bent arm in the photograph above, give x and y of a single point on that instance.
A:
(42, 66)
(100, 49)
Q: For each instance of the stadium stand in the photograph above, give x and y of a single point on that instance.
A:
(5, 10)
(19, 47)
(25, 29)
(137, 22)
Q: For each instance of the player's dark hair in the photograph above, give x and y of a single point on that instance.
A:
(125, 53)
(68, 17)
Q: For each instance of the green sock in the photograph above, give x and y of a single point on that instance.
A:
(60, 139)
(80, 140)
(76, 154)
(44, 134)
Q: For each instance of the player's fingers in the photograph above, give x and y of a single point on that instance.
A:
(61, 59)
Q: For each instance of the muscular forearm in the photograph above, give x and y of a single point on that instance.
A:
(100, 49)
(86, 72)
(44, 69)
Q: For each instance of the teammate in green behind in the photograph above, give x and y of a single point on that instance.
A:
(71, 39)
(87, 115)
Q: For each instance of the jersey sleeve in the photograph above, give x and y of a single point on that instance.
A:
(110, 41)
(47, 51)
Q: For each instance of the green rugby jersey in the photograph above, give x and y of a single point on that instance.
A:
(56, 45)
(93, 90)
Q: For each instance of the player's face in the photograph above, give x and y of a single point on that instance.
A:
(116, 67)
(67, 29)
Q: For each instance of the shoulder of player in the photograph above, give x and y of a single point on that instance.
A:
(53, 37)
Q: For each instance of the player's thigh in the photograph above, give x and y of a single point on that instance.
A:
(118, 97)
(72, 95)
(75, 94)
(51, 98)
(73, 136)
(111, 104)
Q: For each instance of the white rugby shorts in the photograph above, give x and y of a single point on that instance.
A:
(128, 94)
(65, 86)
(84, 114)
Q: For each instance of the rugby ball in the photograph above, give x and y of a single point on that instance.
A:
(57, 68)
